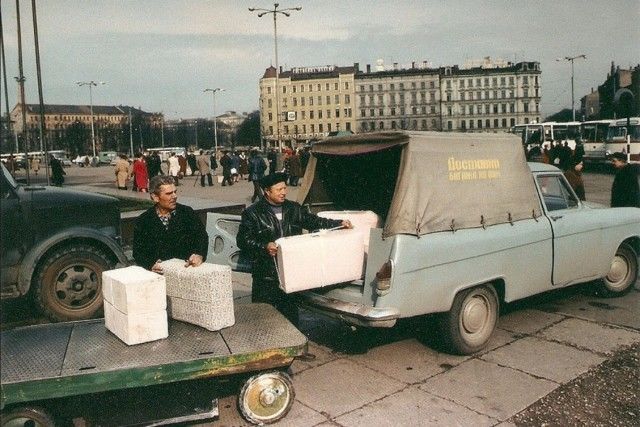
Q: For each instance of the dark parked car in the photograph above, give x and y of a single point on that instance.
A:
(55, 244)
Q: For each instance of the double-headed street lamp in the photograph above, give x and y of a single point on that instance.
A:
(571, 59)
(93, 134)
(215, 119)
(274, 12)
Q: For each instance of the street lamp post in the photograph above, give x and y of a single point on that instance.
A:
(571, 59)
(93, 134)
(274, 12)
(215, 119)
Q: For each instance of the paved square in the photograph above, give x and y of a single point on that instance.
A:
(527, 321)
(413, 407)
(553, 361)
(591, 336)
(341, 386)
(489, 389)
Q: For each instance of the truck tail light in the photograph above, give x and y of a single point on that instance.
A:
(383, 278)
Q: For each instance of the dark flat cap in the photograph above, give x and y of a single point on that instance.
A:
(618, 155)
(272, 179)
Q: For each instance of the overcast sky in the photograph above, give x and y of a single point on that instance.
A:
(160, 54)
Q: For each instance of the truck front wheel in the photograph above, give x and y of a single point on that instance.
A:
(68, 282)
(468, 326)
(622, 275)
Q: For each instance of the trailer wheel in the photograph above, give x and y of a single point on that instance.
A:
(68, 282)
(266, 398)
(622, 274)
(27, 416)
(468, 326)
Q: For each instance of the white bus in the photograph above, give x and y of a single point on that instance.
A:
(567, 132)
(617, 137)
(593, 134)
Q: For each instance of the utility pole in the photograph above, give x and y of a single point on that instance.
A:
(286, 12)
(23, 105)
(571, 59)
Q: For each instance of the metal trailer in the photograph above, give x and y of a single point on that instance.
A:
(45, 364)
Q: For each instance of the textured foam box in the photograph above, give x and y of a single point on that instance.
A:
(362, 222)
(200, 295)
(136, 328)
(134, 290)
(319, 259)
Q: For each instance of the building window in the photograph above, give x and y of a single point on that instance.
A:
(526, 107)
(372, 112)
(269, 90)
(504, 123)
(513, 122)
(335, 86)
(463, 125)
(284, 89)
(320, 128)
(381, 111)
(392, 86)
(363, 113)
(337, 113)
(414, 110)
(393, 124)
(311, 100)
(423, 85)
(346, 85)
(270, 117)
(347, 99)
(326, 86)
(313, 127)
(304, 128)
(496, 123)
(424, 124)
(449, 125)
(301, 88)
(311, 115)
(381, 126)
(487, 123)
(393, 111)
(286, 130)
(512, 108)
(347, 126)
(310, 87)
(319, 114)
(318, 87)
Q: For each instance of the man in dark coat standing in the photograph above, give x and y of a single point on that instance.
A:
(625, 191)
(168, 230)
(270, 218)
(225, 162)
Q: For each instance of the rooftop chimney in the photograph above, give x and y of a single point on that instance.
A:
(356, 66)
(368, 68)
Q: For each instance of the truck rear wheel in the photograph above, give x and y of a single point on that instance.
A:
(68, 282)
(468, 326)
(622, 275)
(266, 398)
(26, 416)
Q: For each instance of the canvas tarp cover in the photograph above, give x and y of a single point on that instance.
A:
(444, 181)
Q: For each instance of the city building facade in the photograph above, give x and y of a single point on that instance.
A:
(481, 96)
(58, 119)
(618, 78)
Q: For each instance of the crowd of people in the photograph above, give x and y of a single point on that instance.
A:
(235, 166)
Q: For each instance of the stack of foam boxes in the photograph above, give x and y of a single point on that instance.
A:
(319, 259)
(200, 295)
(135, 304)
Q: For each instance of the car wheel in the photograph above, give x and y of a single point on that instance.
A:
(266, 398)
(622, 274)
(26, 416)
(468, 326)
(68, 282)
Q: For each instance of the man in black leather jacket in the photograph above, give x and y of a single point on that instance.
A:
(262, 223)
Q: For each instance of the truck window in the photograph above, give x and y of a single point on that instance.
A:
(555, 193)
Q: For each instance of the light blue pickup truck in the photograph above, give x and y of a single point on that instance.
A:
(467, 225)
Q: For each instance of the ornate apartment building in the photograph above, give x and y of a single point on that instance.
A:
(484, 96)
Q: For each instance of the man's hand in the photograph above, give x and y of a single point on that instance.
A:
(272, 248)
(194, 260)
(347, 224)
(156, 268)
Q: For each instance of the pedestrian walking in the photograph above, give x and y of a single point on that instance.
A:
(257, 168)
(57, 172)
(204, 167)
(35, 165)
(295, 169)
(244, 165)
(272, 157)
(235, 166)
(174, 166)
(122, 171)
(192, 162)
(225, 162)
(154, 164)
(625, 191)
(140, 174)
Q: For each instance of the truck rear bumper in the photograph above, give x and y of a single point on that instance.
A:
(352, 313)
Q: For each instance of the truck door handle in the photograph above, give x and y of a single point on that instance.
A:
(556, 217)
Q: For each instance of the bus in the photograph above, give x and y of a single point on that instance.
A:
(165, 152)
(593, 134)
(567, 132)
(617, 138)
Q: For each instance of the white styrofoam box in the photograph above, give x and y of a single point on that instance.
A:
(319, 259)
(136, 328)
(200, 295)
(205, 314)
(134, 290)
(362, 222)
